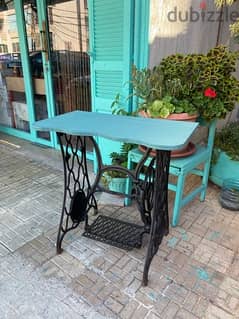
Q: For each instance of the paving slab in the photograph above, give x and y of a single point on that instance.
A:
(194, 274)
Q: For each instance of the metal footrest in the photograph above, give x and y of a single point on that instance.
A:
(115, 232)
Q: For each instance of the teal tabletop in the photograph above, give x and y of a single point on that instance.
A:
(155, 133)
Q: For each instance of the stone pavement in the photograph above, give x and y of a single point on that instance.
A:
(195, 273)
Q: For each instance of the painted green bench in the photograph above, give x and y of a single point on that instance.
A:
(198, 163)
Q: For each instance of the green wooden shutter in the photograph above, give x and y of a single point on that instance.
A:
(111, 31)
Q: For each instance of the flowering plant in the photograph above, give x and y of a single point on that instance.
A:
(196, 82)
(210, 93)
(206, 80)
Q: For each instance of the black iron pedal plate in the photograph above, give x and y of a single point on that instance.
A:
(115, 232)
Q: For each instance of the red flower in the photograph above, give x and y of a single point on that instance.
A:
(203, 5)
(210, 93)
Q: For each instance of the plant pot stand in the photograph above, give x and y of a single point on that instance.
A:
(224, 168)
(188, 150)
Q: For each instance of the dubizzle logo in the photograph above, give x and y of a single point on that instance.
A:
(203, 14)
(203, 5)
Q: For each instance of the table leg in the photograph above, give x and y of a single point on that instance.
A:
(78, 196)
(160, 221)
(144, 189)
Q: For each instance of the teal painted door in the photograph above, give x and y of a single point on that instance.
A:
(111, 46)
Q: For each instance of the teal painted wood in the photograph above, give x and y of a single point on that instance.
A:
(111, 47)
(155, 133)
(117, 184)
(24, 135)
(141, 33)
(42, 18)
(224, 168)
(181, 167)
(16, 132)
(178, 165)
(178, 199)
(111, 30)
(21, 27)
(190, 197)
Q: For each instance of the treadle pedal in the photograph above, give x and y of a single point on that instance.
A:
(116, 232)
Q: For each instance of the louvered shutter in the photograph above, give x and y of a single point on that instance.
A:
(111, 30)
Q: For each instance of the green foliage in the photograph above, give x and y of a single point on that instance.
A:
(181, 81)
(184, 106)
(220, 3)
(117, 108)
(147, 84)
(168, 105)
(161, 108)
(234, 27)
(227, 140)
(120, 159)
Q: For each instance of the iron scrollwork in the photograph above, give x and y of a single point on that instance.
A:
(78, 198)
(150, 193)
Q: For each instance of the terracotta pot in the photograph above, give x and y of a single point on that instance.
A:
(174, 116)
(183, 117)
(190, 148)
(187, 150)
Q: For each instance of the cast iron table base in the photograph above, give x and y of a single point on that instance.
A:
(151, 195)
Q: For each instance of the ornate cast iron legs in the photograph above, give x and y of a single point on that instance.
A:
(151, 195)
(160, 221)
(144, 189)
(78, 198)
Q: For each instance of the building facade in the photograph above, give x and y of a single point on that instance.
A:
(58, 56)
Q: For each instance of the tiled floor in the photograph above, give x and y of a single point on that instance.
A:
(195, 274)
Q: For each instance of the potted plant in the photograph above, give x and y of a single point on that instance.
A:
(159, 100)
(225, 162)
(188, 86)
(113, 179)
(201, 84)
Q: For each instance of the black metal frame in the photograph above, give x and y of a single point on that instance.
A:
(151, 193)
